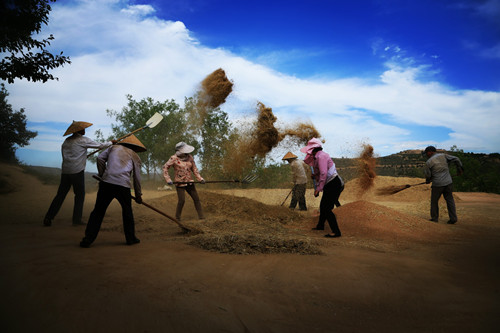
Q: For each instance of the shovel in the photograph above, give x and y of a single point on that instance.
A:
(152, 122)
(183, 227)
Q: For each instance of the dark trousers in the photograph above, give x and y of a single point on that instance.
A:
(331, 193)
(181, 196)
(77, 180)
(299, 196)
(107, 192)
(447, 192)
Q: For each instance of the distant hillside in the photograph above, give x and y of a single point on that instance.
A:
(408, 163)
(482, 171)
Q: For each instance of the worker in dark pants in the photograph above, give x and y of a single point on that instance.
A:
(327, 181)
(437, 172)
(116, 166)
(299, 181)
(74, 154)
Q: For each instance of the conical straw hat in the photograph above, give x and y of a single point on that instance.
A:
(77, 126)
(289, 156)
(133, 143)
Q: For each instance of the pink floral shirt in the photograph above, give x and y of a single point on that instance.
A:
(182, 168)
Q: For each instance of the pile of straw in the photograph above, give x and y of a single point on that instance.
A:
(245, 226)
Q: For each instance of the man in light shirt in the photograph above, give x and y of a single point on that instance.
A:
(437, 172)
(116, 166)
(299, 181)
(74, 155)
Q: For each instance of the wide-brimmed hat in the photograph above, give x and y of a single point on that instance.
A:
(313, 143)
(77, 126)
(133, 143)
(183, 148)
(289, 156)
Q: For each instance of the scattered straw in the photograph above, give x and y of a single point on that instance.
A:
(367, 163)
(215, 88)
(245, 226)
(257, 140)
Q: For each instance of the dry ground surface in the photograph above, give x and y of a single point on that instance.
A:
(257, 266)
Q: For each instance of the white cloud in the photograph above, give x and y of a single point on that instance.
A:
(115, 53)
(140, 10)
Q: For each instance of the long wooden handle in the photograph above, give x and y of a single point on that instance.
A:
(118, 140)
(184, 228)
(287, 196)
(209, 181)
(159, 211)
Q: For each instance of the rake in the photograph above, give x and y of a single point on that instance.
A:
(246, 180)
(389, 190)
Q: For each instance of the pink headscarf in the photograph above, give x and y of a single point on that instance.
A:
(313, 143)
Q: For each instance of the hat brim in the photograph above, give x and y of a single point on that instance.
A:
(186, 149)
(77, 126)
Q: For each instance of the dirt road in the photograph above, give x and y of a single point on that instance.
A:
(361, 283)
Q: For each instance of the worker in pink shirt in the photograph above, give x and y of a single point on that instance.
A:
(328, 181)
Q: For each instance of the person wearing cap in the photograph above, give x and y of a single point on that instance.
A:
(328, 181)
(116, 166)
(74, 159)
(437, 172)
(299, 181)
(184, 166)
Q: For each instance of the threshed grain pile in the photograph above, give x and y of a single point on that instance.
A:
(366, 220)
(240, 225)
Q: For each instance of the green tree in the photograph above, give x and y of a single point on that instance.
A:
(160, 140)
(481, 172)
(13, 131)
(26, 57)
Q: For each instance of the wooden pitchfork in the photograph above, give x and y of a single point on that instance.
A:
(246, 180)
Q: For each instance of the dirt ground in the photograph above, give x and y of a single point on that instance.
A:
(391, 271)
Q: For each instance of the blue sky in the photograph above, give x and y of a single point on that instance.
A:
(397, 74)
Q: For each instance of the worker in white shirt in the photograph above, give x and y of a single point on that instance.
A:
(299, 181)
(116, 166)
(74, 155)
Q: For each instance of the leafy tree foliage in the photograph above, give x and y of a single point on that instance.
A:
(481, 172)
(26, 57)
(13, 130)
(160, 140)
